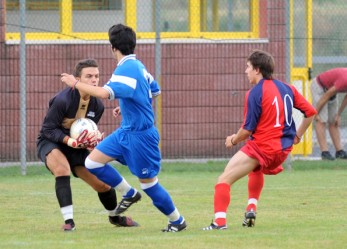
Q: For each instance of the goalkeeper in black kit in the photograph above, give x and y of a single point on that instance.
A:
(63, 154)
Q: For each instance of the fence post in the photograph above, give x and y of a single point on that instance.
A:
(22, 66)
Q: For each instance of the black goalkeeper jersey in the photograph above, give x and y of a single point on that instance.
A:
(64, 108)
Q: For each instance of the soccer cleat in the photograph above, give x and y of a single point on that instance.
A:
(214, 226)
(327, 156)
(249, 220)
(175, 227)
(341, 154)
(127, 202)
(123, 221)
(69, 227)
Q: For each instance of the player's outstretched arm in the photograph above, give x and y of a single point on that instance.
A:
(302, 128)
(95, 91)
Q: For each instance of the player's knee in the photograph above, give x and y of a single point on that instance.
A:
(101, 187)
(226, 178)
(59, 169)
(92, 164)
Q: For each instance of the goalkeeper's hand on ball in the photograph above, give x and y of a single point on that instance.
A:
(94, 138)
(80, 143)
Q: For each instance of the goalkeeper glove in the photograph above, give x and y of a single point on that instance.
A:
(94, 138)
(80, 143)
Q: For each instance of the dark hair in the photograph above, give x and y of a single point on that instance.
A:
(83, 64)
(263, 61)
(122, 38)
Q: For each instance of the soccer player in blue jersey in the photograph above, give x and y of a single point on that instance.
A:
(63, 154)
(136, 142)
(269, 131)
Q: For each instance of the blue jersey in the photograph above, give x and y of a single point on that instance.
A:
(136, 142)
(134, 87)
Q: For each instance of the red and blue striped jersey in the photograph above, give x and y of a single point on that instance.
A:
(268, 114)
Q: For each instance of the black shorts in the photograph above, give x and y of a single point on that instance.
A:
(75, 157)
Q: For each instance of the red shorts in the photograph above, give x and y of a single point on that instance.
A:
(269, 164)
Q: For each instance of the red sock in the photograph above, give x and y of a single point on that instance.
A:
(221, 202)
(255, 186)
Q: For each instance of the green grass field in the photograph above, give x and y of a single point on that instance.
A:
(301, 208)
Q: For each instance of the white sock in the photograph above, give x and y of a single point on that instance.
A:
(253, 201)
(123, 187)
(67, 212)
(112, 213)
(175, 215)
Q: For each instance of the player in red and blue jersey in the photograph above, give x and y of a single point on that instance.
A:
(271, 132)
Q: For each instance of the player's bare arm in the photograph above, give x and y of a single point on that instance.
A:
(234, 139)
(302, 128)
(95, 91)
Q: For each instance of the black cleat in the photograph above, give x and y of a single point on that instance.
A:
(122, 221)
(125, 203)
(69, 227)
(214, 226)
(175, 228)
(249, 220)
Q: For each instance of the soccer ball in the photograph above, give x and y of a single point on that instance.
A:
(80, 125)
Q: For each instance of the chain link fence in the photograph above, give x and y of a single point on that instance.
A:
(198, 53)
(329, 51)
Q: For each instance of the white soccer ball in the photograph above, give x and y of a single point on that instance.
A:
(80, 125)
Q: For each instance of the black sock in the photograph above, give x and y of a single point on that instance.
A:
(108, 199)
(63, 190)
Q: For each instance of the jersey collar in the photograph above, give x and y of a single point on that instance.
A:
(127, 57)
